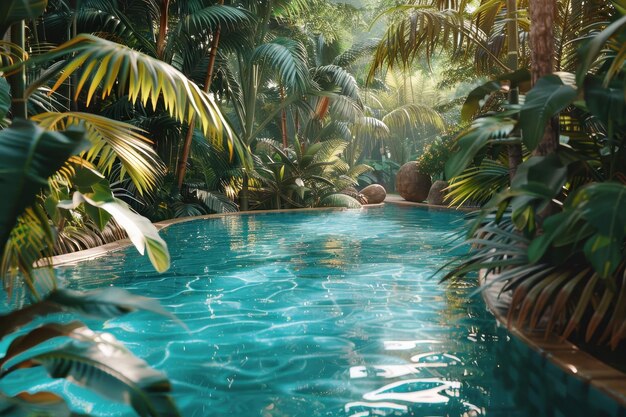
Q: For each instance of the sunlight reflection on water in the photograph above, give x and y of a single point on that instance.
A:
(310, 314)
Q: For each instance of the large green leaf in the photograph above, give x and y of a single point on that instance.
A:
(473, 101)
(537, 181)
(141, 232)
(603, 206)
(594, 216)
(548, 97)
(12, 11)
(28, 156)
(106, 367)
(472, 140)
(595, 47)
(607, 103)
(5, 98)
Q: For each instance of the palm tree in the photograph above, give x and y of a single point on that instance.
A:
(276, 67)
(542, 14)
(103, 69)
(186, 40)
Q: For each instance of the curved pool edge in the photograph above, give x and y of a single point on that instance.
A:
(398, 200)
(577, 364)
(566, 356)
(98, 251)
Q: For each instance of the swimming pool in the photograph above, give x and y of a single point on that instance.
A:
(310, 314)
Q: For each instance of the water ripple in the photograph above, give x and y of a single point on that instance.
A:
(308, 314)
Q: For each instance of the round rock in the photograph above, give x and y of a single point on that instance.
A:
(411, 184)
(375, 193)
(437, 195)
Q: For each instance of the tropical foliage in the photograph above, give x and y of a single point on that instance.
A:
(555, 237)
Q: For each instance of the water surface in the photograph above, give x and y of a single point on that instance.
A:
(309, 314)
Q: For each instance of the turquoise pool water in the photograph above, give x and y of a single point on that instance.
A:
(310, 314)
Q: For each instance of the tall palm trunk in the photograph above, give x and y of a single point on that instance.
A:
(514, 151)
(283, 118)
(244, 198)
(163, 22)
(542, 44)
(182, 164)
(18, 79)
(253, 77)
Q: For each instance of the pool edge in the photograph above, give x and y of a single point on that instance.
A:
(565, 355)
(568, 357)
(99, 251)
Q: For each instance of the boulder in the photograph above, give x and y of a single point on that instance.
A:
(437, 195)
(354, 193)
(411, 184)
(374, 193)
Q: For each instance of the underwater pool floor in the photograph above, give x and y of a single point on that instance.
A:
(310, 314)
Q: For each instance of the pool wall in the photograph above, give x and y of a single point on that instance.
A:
(575, 379)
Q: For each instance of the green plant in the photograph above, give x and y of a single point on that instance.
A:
(312, 177)
(556, 238)
(71, 350)
(433, 159)
(61, 349)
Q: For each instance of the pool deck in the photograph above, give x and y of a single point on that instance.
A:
(562, 353)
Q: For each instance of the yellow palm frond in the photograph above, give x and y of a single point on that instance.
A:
(112, 141)
(413, 116)
(11, 54)
(102, 64)
(31, 242)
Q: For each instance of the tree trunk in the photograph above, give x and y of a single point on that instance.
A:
(164, 19)
(18, 79)
(243, 194)
(514, 151)
(283, 119)
(542, 56)
(182, 164)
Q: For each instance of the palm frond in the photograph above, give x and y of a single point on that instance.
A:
(408, 116)
(31, 242)
(112, 141)
(338, 78)
(340, 200)
(477, 185)
(214, 201)
(288, 58)
(424, 28)
(107, 65)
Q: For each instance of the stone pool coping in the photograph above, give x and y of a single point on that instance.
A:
(397, 200)
(565, 355)
(562, 353)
